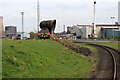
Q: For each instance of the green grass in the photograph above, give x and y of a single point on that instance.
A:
(0, 59)
(42, 59)
(115, 45)
(93, 49)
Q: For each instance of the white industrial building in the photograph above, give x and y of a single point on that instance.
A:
(119, 12)
(102, 31)
(84, 31)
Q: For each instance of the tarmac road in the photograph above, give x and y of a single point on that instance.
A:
(93, 41)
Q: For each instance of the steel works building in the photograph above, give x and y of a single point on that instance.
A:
(11, 32)
(102, 31)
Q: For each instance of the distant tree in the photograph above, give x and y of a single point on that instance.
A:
(33, 35)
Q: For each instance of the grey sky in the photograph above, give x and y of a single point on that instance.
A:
(68, 12)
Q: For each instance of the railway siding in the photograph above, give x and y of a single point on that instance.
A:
(106, 69)
(115, 54)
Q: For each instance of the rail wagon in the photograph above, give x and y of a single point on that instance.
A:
(47, 28)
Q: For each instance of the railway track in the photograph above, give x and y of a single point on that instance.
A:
(115, 54)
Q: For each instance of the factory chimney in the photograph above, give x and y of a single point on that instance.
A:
(38, 16)
(94, 18)
(94, 21)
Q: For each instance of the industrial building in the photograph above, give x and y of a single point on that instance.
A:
(11, 32)
(2, 32)
(102, 31)
(119, 12)
(98, 31)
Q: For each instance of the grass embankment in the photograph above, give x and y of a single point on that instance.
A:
(42, 59)
(93, 49)
(0, 59)
(115, 45)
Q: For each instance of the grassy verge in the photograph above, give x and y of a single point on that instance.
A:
(0, 59)
(93, 49)
(115, 45)
(42, 59)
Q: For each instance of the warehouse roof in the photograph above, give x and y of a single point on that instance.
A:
(98, 25)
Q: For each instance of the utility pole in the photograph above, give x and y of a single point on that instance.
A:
(22, 13)
(38, 16)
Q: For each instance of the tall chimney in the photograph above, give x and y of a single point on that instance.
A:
(38, 15)
(94, 18)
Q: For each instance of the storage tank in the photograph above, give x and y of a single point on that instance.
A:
(10, 30)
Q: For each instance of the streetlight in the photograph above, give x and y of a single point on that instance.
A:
(22, 13)
(113, 17)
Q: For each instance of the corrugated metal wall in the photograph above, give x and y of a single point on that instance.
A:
(112, 33)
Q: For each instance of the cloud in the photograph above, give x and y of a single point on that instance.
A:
(68, 12)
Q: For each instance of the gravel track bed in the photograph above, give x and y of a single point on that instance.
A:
(105, 66)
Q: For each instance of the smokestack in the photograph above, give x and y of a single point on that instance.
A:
(94, 18)
(38, 16)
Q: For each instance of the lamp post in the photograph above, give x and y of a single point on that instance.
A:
(113, 17)
(22, 13)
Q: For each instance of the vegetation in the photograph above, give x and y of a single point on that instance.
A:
(33, 35)
(115, 45)
(93, 49)
(0, 59)
(42, 59)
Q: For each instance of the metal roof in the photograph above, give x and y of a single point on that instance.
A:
(101, 25)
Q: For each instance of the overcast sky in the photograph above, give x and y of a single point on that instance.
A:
(66, 12)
